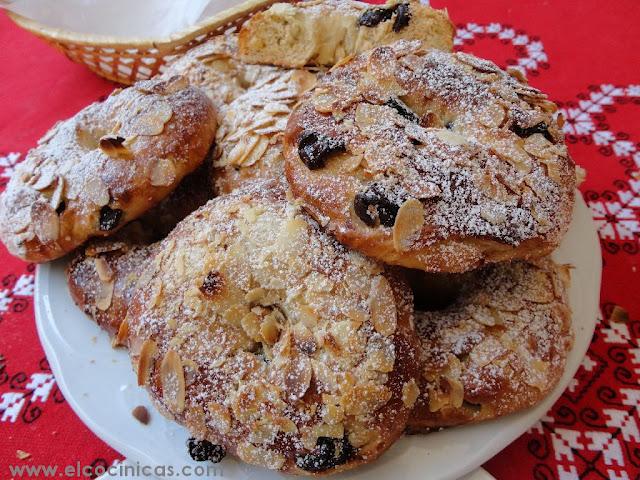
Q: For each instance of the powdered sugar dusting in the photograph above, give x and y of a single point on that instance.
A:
(450, 130)
(301, 338)
(498, 348)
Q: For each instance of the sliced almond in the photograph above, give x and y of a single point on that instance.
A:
(259, 456)
(22, 455)
(257, 152)
(255, 295)
(408, 224)
(492, 115)
(365, 399)
(308, 316)
(324, 102)
(155, 113)
(581, 175)
(270, 329)
(304, 81)
(382, 360)
(334, 430)
(219, 417)
(240, 151)
(619, 315)
(145, 361)
(297, 377)
(172, 380)
(410, 392)
(449, 137)
(367, 114)
(364, 439)
(43, 179)
(538, 146)
(46, 223)
(96, 191)
(486, 316)
(382, 306)
(493, 215)
(251, 325)
(456, 392)
(163, 173)
(104, 296)
(105, 273)
(122, 335)
(517, 74)
(58, 193)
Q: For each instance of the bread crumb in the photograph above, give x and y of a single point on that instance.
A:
(619, 315)
(141, 414)
(22, 455)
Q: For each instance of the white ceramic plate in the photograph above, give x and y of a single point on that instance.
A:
(99, 384)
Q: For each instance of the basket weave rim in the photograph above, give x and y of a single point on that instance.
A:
(162, 44)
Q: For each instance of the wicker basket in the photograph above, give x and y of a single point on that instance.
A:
(128, 60)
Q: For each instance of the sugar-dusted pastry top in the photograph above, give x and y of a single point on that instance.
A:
(215, 68)
(500, 347)
(431, 160)
(261, 333)
(323, 32)
(107, 165)
(249, 140)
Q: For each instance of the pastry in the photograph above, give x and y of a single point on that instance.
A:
(107, 165)
(102, 279)
(253, 103)
(215, 68)
(431, 160)
(249, 140)
(323, 32)
(262, 334)
(500, 346)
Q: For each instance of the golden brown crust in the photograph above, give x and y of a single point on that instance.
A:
(500, 347)
(431, 160)
(323, 32)
(261, 333)
(106, 166)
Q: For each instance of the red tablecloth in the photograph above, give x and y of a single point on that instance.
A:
(584, 54)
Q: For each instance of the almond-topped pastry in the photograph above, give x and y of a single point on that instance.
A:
(102, 279)
(431, 160)
(249, 139)
(107, 165)
(323, 32)
(261, 333)
(499, 347)
(215, 68)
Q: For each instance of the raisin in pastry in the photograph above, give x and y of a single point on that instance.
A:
(431, 160)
